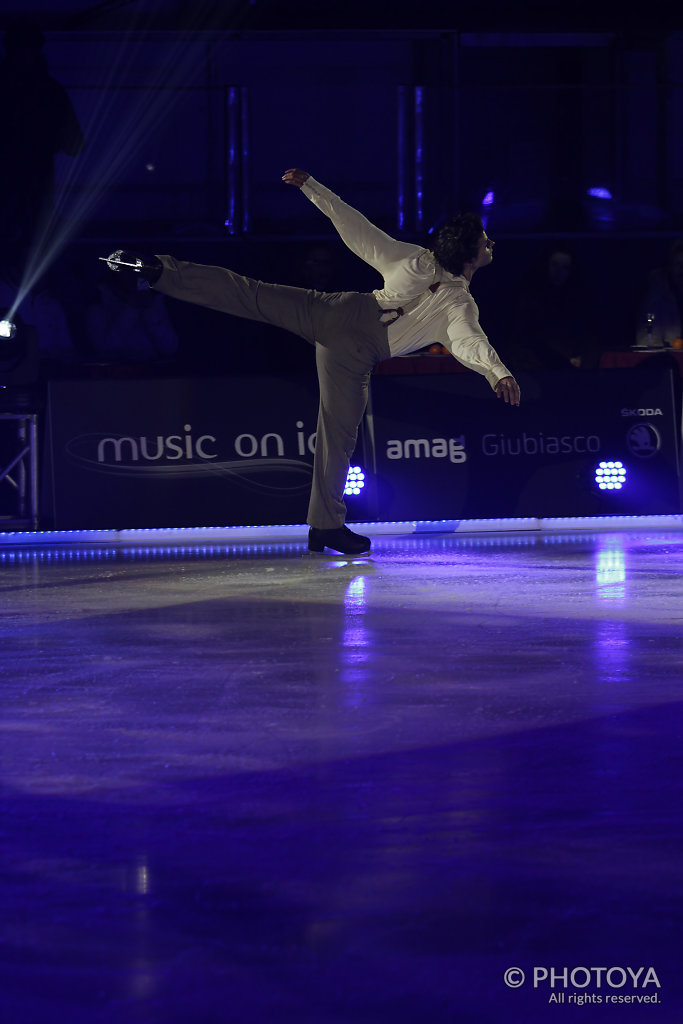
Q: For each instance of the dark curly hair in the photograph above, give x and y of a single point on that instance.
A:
(456, 242)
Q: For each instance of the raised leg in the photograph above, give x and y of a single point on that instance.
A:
(349, 341)
(221, 289)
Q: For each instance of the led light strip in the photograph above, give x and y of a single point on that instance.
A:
(287, 533)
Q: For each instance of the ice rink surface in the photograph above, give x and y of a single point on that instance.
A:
(244, 784)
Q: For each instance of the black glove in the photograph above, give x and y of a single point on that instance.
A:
(126, 262)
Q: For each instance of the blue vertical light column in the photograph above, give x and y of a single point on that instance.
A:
(237, 161)
(244, 157)
(410, 158)
(402, 135)
(418, 116)
(231, 167)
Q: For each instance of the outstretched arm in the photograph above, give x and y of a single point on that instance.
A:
(472, 348)
(372, 244)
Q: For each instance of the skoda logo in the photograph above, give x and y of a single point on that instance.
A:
(643, 440)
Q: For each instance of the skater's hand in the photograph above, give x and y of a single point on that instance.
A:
(294, 176)
(508, 388)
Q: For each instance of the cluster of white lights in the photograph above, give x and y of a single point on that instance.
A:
(355, 481)
(7, 329)
(610, 476)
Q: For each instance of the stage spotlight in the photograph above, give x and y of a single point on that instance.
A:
(19, 363)
(610, 476)
(355, 481)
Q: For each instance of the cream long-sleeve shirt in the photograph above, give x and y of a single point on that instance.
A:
(448, 315)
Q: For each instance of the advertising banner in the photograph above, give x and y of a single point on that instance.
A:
(183, 453)
(179, 453)
(446, 448)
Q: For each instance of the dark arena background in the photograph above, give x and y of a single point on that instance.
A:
(436, 784)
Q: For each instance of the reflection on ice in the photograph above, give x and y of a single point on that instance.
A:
(610, 569)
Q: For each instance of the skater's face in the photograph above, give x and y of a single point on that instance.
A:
(484, 252)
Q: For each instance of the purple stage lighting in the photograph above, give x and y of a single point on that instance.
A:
(355, 481)
(610, 476)
(488, 199)
(599, 193)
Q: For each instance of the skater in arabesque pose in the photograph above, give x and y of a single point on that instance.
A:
(425, 298)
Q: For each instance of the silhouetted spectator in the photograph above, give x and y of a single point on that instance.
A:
(130, 325)
(318, 268)
(660, 320)
(37, 121)
(555, 322)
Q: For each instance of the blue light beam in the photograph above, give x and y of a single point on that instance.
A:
(112, 142)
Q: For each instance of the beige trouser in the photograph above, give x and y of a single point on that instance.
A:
(349, 340)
